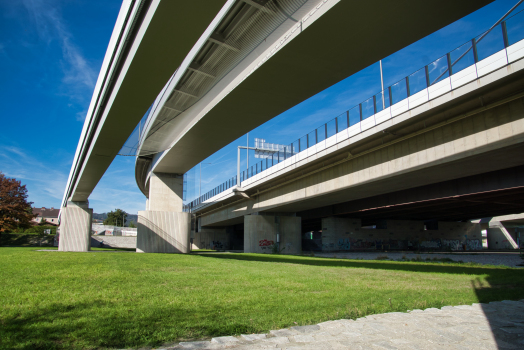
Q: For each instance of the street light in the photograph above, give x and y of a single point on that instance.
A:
(200, 182)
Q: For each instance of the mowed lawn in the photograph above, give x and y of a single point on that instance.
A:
(127, 300)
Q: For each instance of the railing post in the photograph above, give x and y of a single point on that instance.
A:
(316, 136)
(285, 152)
(291, 150)
(390, 96)
(474, 46)
(407, 86)
(449, 64)
(505, 34)
(307, 141)
(360, 110)
(347, 116)
(238, 167)
(427, 75)
(278, 156)
(299, 148)
(325, 128)
(374, 104)
(336, 125)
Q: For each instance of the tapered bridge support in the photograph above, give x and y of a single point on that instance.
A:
(75, 227)
(163, 227)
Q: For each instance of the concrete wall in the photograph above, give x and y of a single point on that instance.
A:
(260, 234)
(114, 241)
(163, 232)
(347, 234)
(211, 238)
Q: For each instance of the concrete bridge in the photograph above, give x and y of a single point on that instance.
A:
(259, 58)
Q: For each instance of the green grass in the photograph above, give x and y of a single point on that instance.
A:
(120, 300)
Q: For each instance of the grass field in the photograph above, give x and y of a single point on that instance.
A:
(103, 299)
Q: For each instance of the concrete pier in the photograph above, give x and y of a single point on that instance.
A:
(164, 228)
(75, 227)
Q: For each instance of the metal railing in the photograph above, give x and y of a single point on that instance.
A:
(500, 36)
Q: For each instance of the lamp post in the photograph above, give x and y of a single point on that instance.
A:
(200, 182)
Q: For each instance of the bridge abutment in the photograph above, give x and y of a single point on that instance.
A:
(75, 227)
(163, 227)
(266, 233)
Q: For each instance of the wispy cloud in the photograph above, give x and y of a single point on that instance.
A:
(78, 75)
(45, 183)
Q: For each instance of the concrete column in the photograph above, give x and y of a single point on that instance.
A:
(75, 227)
(499, 237)
(163, 227)
(260, 234)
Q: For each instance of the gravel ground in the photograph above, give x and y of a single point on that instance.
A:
(502, 258)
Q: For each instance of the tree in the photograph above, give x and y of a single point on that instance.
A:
(116, 218)
(132, 224)
(15, 210)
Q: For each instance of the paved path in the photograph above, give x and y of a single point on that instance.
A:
(497, 325)
(510, 259)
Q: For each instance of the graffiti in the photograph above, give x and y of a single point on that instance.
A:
(432, 244)
(473, 244)
(360, 244)
(390, 244)
(216, 245)
(265, 243)
(344, 244)
(451, 244)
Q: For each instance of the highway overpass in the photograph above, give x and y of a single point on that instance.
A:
(192, 71)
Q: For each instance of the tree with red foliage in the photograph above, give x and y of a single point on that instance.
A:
(15, 210)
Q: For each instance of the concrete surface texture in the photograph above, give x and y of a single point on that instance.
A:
(163, 232)
(510, 259)
(114, 241)
(260, 234)
(75, 227)
(164, 228)
(210, 238)
(497, 325)
(165, 192)
(348, 234)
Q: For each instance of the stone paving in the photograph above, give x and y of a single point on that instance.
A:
(497, 325)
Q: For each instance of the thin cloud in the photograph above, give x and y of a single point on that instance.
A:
(79, 76)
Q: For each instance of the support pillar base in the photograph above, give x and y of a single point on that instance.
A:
(75, 227)
(163, 232)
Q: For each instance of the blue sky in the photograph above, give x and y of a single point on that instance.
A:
(51, 52)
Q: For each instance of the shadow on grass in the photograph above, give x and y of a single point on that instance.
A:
(422, 266)
(497, 288)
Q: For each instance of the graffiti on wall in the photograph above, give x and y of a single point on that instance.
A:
(216, 245)
(473, 244)
(265, 243)
(431, 244)
(344, 244)
(451, 244)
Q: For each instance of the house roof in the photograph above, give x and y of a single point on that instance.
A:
(46, 212)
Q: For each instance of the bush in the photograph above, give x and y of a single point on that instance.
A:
(39, 230)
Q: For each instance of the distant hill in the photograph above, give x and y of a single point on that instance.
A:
(103, 216)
